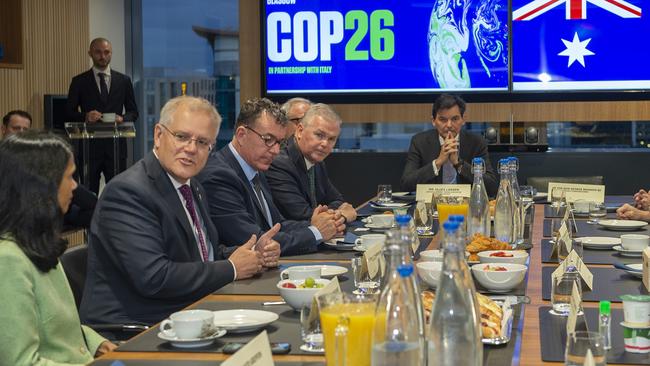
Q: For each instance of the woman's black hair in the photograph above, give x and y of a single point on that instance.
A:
(32, 165)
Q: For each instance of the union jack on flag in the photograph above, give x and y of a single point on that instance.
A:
(576, 9)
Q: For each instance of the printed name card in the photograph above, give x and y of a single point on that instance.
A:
(574, 260)
(373, 258)
(589, 359)
(256, 353)
(646, 268)
(330, 288)
(574, 309)
(573, 192)
(425, 192)
(562, 233)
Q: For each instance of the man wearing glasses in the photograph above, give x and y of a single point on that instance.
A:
(295, 109)
(240, 200)
(298, 177)
(153, 249)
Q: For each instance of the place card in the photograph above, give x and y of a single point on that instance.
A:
(425, 192)
(330, 288)
(574, 260)
(562, 232)
(568, 213)
(574, 192)
(373, 259)
(646, 268)
(257, 352)
(574, 309)
(589, 359)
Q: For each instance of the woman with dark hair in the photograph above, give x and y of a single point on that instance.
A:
(38, 316)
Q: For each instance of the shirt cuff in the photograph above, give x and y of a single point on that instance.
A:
(435, 168)
(234, 270)
(317, 234)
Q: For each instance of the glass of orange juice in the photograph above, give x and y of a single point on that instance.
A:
(347, 323)
(451, 205)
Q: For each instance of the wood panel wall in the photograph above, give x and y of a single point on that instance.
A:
(55, 44)
(250, 84)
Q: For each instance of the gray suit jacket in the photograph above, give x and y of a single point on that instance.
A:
(143, 259)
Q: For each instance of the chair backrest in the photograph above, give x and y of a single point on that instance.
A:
(541, 183)
(74, 262)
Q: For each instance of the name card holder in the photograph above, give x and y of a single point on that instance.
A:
(257, 352)
(426, 192)
(646, 268)
(332, 287)
(574, 260)
(373, 260)
(574, 192)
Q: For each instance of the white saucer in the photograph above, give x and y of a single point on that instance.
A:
(627, 252)
(377, 226)
(598, 242)
(192, 342)
(622, 225)
(638, 270)
(628, 325)
(327, 270)
(243, 320)
(388, 205)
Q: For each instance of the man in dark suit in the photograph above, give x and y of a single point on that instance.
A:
(298, 176)
(444, 155)
(240, 199)
(295, 109)
(94, 93)
(153, 249)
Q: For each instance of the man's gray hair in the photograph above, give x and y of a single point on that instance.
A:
(322, 110)
(291, 102)
(193, 104)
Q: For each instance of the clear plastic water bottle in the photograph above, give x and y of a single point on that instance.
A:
(398, 337)
(518, 219)
(504, 210)
(455, 331)
(478, 221)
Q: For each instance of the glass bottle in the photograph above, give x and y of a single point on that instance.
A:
(518, 218)
(479, 206)
(462, 241)
(398, 336)
(408, 233)
(504, 211)
(455, 331)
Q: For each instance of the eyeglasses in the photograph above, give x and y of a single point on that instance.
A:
(185, 139)
(268, 140)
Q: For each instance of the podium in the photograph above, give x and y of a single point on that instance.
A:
(86, 132)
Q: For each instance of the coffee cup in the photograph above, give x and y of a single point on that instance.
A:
(635, 241)
(370, 239)
(636, 310)
(301, 273)
(581, 206)
(189, 324)
(385, 220)
(108, 117)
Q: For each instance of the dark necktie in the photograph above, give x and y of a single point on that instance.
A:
(448, 173)
(103, 87)
(260, 196)
(312, 185)
(186, 192)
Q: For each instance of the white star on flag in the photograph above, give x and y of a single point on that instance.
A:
(576, 50)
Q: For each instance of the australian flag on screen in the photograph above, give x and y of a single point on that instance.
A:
(580, 44)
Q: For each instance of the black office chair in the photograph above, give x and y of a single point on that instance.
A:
(74, 262)
(541, 183)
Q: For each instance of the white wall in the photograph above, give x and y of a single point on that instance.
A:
(107, 20)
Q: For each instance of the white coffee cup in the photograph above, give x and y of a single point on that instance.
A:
(635, 241)
(385, 220)
(108, 117)
(189, 324)
(301, 272)
(370, 239)
(581, 206)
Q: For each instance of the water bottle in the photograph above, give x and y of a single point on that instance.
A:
(519, 218)
(398, 335)
(462, 241)
(504, 210)
(455, 331)
(478, 221)
(409, 233)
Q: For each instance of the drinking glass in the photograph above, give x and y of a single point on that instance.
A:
(597, 210)
(577, 345)
(384, 193)
(556, 223)
(557, 197)
(362, 281)
(423, 218)
(561, 292)
(527, 193)
(312, 336)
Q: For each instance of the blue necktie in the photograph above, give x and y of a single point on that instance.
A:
(448, 173)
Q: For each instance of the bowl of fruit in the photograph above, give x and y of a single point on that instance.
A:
(299, 293)
(503, 256)
(499, 277)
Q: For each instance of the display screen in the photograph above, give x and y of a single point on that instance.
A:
(368, 46)
(579, 45)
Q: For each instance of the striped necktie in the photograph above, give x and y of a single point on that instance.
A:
(186, 192)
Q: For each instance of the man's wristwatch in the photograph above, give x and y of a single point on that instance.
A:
(458, 165)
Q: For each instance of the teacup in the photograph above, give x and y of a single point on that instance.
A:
(635, 241)
(108, 117)
(385, 220)
(301, 273)
(370, 239)
(189, 324)
(581, 206)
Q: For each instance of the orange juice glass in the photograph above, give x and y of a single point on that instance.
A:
(347, 323)
(451, 205)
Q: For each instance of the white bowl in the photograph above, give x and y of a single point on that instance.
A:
(299, 297)
(518, 256)
(634, 241)
(430, 272)
(434, 255)
(499, 281)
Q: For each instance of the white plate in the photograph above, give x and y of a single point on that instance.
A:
(193, 342)
(381, 206)
(327, 270)
(638, 269)
(401, 194)
(598, 242)
(377, 226)
(243, 320)
(622, 225)
(627, 252)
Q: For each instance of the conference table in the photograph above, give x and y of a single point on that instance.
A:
(536, 336)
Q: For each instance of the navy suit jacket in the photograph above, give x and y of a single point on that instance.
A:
(84, 94)
(143, 259)
(289, 184)
(425, 148)
(236, 212)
